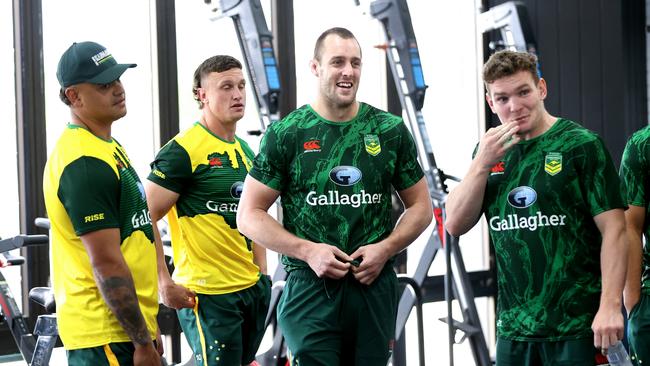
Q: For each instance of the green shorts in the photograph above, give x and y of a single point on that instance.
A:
(638, 331)
(338, 322)
(227, 328)
(112, 354)
(577, 352)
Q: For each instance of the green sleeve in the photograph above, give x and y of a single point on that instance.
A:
(634, 173)
(89, 189)
(599, 179)
(172, 167)
(247, 149)
(270, 167)
(408, 170)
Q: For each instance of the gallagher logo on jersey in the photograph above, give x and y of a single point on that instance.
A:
(236, 189)
(522, 197)
(345, 175)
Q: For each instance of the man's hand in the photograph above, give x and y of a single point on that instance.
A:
(176, 296)
(495, 143)
(607, 326)
(3, 261)
(159, 346)
(328, 261)
(146, 355)
(372, 257)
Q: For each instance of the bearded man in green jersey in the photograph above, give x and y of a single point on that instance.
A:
(635, 173)
(196, 180)
(103, 253)
(551, 196)
(334, 163)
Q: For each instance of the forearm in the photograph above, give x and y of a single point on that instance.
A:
(116, 286)
(614, 252)
(413, 221)
(264, 230)
(464, 203)
(259, 257)
(632, 289)
(161, 264)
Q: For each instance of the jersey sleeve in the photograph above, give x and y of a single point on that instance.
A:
(269, 166)
(89, 190)
(600, 181)
(408, 170)
(171, 168)
(247, 149)
(634, 173)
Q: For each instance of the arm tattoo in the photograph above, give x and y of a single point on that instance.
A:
(119, 294)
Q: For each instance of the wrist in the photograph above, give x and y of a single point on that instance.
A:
(611, 303)
(304, 250)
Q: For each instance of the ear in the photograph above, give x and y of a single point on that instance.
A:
(314, 66)
(73, 95)
(489, 101)
(201, 94)
(541, 85)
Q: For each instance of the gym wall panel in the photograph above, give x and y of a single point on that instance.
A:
(592, 54)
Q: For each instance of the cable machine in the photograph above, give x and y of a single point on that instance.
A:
(404, 61)
(511, 21)
(256, 42)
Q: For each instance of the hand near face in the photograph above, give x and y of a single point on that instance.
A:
(496, 142)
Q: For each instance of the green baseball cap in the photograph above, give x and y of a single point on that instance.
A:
(88, 62)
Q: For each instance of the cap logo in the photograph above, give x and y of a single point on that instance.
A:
(101, 57)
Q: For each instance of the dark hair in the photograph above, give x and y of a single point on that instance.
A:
(339, 31)
(64, 98)
(218, 63)
(506, 63)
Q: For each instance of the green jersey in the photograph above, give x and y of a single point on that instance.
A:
(635, 175)
(335, 178)
(210, 255)
(539, 202)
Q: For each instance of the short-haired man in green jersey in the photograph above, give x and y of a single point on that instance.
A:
(334, 163)
(196, 180)
(635, 174)
(551, 197)
(102, 238)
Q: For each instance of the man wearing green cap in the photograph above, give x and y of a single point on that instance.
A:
(102, 238)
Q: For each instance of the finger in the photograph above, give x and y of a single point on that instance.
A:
(508, 134)
(496, 130)
(366, 278)
(358, 253)
(339, 265)
(341, 254)
(612, 338)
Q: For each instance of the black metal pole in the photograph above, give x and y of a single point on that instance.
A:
(167, 70)
(31, 141)
(284, 44)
